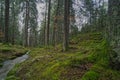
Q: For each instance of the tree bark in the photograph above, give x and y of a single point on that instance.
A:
(66, 25)
(13, 30)
(45, 25)
(27, 23)
(48, 24)
(55, 28)
(6, 21)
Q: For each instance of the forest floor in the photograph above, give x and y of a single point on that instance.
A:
(9, 52)
(87, 59)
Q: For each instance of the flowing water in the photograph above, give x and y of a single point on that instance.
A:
(8, 65)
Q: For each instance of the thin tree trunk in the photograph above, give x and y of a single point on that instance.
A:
(26, 23)
(13, 30)
(48, 24)
(45, 25)
(55, 25)
(6, 21)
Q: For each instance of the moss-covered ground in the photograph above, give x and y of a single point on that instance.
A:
(87, 59)
(8, 52)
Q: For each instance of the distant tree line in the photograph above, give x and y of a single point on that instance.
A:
(59, 23)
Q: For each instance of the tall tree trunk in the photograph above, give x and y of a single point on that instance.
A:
(55, 24)
(48, 24)
(66, 25)
(45, 25)
(1, 17)
(13, 30)
(6, 21)
(27, 23)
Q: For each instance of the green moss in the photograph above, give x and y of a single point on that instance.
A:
(1, 64)
(12, 74)
(12, 78)
(49, 64)
(91, 75)
(6, 50)
(54, 70)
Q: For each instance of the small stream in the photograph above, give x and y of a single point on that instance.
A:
(8, 65)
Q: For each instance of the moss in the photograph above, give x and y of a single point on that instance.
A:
(54, 70)
(1, 64)
(8, 52)
(12, 78)
(91, 75)
(88, 61)
(12, 74)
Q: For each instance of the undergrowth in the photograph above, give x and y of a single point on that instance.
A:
(87, 59)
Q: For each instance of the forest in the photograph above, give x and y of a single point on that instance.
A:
(59, 39)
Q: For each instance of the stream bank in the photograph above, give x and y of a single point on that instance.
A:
(9, 64)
